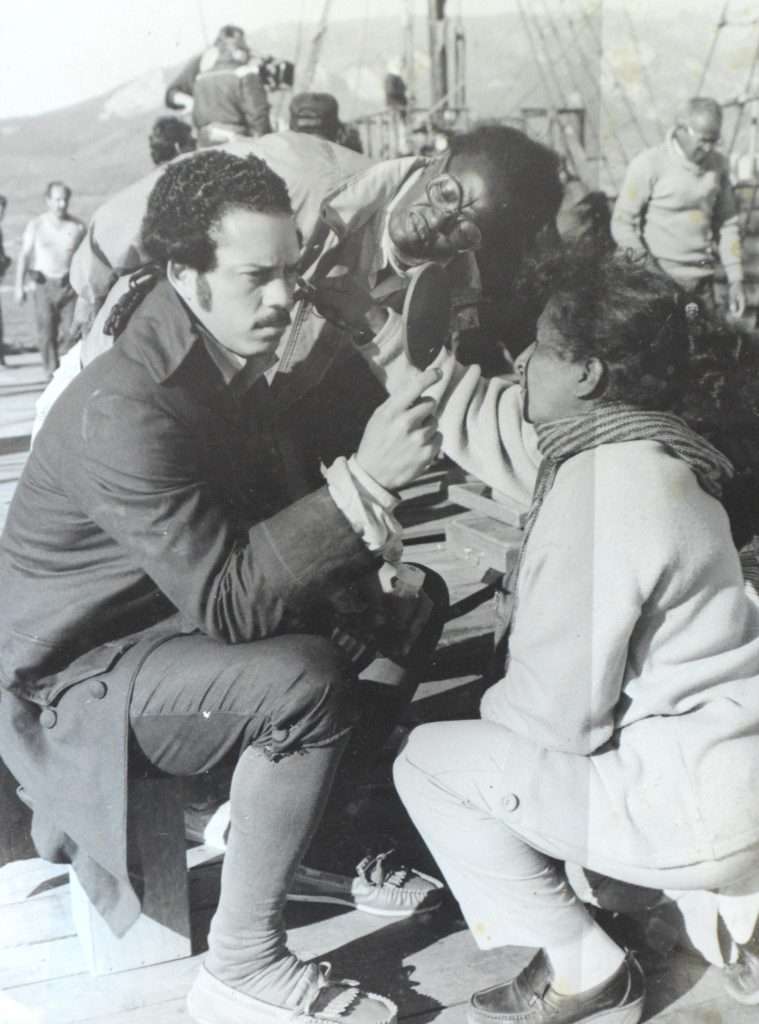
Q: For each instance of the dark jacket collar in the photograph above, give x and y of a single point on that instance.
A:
(161, 332)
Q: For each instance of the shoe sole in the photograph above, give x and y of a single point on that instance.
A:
(203, 1008)
(297, 898)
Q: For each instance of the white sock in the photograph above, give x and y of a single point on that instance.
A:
(585, 963)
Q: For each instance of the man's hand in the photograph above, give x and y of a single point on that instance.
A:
(344, 301)
(19, 294)
(736, 299)
(401, 438)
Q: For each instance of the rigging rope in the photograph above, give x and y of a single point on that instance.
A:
(590, 121)
(747, 91)
(619, 85)
(710, 55)
(570, 158)
(644, 70)
(587, 61)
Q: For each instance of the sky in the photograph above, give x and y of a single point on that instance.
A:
(55, 53)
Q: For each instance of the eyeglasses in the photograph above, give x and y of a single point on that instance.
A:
(708, 142)
(445, 193)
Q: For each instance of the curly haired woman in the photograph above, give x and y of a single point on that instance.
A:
(624, 733)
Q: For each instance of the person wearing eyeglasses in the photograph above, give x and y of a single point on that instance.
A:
(493, 192)
(677, 205)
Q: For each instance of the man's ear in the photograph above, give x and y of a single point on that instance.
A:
(182, 278)
(591, 379)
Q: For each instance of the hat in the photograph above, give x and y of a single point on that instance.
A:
(315, 112)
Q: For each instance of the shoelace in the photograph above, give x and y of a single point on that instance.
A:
(372, 870)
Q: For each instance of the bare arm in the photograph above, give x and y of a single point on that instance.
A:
(23, 261)
(179, 93)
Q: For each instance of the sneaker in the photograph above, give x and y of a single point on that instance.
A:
(741, 979)
(210, 1001)
(375, 888)
(529, 999)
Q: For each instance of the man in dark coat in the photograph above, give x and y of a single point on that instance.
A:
(161, 593)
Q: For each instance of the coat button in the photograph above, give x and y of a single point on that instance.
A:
(97, 689)
(510, 802)
(48, 718)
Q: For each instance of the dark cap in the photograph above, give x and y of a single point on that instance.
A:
(315, 112)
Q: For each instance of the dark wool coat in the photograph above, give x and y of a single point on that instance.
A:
(153, 502)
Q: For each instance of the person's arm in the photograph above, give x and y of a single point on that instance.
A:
(141, 481)
(179, 93)
(581, 592)
(481, 420)
(23, 261)
(5, 260)
(630, 208)
(727, 228)
(254, 103)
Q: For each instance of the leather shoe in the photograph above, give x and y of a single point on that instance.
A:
(529, 998)
(741, 979)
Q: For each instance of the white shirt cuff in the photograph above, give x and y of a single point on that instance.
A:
(366, 505)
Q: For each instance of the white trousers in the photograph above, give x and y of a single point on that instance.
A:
(450, 776)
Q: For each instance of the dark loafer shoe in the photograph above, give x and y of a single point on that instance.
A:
(529, 999)
(741, 979)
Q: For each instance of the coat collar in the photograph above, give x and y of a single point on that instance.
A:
(161, 332)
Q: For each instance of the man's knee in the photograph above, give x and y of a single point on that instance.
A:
(316, 706)
(410, 766)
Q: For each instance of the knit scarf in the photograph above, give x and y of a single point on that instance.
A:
(614, 423)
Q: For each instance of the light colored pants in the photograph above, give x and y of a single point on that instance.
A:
(450, 777)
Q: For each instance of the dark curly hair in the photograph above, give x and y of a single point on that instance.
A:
(525, 172)
(662, 350)
(190, 198)
(168, 138)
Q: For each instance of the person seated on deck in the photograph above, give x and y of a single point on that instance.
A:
(624, 733)
(151, 543)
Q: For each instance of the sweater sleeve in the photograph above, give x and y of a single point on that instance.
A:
(480, 419)
(727, 228)
(630, 207)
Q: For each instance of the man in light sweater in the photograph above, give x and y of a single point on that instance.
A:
(677, 205)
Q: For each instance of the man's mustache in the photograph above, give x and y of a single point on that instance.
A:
(275, 320)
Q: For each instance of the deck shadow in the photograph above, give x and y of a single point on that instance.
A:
(378, 959)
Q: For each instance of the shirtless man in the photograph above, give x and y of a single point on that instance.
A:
(47, 249)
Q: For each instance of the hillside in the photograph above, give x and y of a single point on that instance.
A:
(100, 145)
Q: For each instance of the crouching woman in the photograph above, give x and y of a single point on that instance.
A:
(624, 734)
